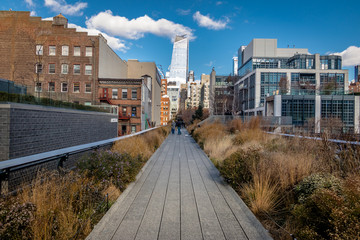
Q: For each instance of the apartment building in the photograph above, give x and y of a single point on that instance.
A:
(265, 69)
(205, 91)
(55, 61)
(165, 103)
(133, 98)
(137, 69)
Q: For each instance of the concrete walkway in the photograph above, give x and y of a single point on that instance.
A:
(179, 195)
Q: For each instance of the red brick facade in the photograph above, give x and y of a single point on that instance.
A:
(165, 103)
(126, 94)
(65, 75)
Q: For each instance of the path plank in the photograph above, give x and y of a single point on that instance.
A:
(179, 194)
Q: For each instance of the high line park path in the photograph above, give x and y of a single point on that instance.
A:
(179, 194)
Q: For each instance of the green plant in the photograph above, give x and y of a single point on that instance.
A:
(236, 169)
(119, 168)
(315, 182)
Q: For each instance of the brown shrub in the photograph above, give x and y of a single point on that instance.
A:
(144, 145)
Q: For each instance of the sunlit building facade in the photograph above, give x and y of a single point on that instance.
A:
(179, 69)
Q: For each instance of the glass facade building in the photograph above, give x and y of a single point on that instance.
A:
(285, 71)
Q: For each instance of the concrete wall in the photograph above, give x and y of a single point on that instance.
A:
(110, 64)
(30, 129)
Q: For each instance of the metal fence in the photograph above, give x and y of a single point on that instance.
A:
(337, 141)
(21, 170)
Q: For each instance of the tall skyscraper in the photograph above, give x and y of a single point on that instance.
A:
(179, 70)
(357, 73)
(179, 67)
(235, 66)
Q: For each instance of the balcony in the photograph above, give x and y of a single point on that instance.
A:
(124, 116)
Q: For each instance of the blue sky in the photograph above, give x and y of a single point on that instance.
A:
(144, 29)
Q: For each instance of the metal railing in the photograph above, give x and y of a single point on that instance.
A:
(337, 141)
(59, 157)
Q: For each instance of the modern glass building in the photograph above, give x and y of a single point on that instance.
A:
(179, 69)
(265, 70)
(317, 110)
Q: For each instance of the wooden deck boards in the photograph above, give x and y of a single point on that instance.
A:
(179, 195)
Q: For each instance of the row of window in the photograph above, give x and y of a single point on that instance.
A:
(124, 129)
(124, 93)
(133, 111)
(64, 87)
(64, 50)
(64, 69)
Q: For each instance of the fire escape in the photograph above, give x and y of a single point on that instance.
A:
(104, 98)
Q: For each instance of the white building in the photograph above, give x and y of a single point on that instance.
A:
(235, 66)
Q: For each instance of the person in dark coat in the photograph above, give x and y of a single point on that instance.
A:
(178, 125)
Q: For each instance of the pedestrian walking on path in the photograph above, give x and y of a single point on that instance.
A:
(173, 124)
(178, 125)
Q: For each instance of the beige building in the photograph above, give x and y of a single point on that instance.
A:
(205, 90)
(138, 69)
(195, 93)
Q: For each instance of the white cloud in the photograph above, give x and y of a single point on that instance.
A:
(30, 3)
(136, 28)
(183, 12)
(61, 6)
(113, 42)
(207, 22)
(350, 56)
(219, 3)
(210, 64)
(32, 13)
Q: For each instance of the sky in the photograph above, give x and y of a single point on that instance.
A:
(144, 30)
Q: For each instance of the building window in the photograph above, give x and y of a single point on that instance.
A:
(124, 94)
(52, 50)
(39, 49)
(123, 129)
(76, 51)
(39, 68)
(76, 87)
(64, 87)
(133, 111)
(64, 68)
(89, 51)
(51, 68)
(76, 68)
(133, 129)
(38, 87)
(65, 51)
(115, 93)
(133, 94)
(124, 111)
(88, 69)
(51, 87)
(88, 87)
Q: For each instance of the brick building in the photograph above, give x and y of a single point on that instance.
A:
(53, 60)
(137, 69)
(165, 103)
(133, 98)
(354, 87)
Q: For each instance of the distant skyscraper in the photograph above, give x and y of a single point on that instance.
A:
(179, 69)
(235, 66)
(180, 60)
(357, 73)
